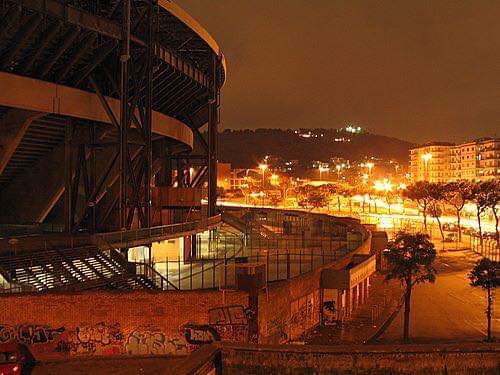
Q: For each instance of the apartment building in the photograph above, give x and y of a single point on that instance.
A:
(431, 162)
(488, 159)
(477, 160)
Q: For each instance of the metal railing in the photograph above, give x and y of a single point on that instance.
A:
(144, 269)
(126, 237)
(283, 258)
(488, 247)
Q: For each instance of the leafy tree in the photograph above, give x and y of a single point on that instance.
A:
(479, 196)
(486, 274)
(436, 192)
(420, 193)
(492, 190)
(410, 259)
(317, 199)
(347, 192)
(456, 194)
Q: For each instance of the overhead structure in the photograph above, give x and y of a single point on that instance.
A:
(104, 106)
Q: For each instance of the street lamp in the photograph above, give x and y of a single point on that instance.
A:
(322, 169)
(338, 167)
(426, 158)
(274, 179)
(263, 167)
(370, 166)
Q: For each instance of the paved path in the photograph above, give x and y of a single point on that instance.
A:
(449, 309)
(383, 298)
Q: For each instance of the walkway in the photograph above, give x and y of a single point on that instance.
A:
(449, 309)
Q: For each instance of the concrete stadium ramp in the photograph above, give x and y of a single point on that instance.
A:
(47, 97)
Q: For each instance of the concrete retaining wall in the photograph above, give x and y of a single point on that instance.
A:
(382, 359)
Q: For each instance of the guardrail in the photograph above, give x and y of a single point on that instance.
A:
(144, 269)
(125, 238)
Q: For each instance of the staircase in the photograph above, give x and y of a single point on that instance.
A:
(77, 269)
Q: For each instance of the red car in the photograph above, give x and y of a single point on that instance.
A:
(15, 359)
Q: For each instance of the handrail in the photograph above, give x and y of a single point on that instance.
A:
(158, 231)
(153, 275)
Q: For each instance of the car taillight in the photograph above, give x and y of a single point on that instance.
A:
(15, 369)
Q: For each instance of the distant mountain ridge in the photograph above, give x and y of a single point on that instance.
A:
(245, 148)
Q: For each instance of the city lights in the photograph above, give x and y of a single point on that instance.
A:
(383, 185)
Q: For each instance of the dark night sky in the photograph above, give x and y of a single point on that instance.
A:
(418, 70)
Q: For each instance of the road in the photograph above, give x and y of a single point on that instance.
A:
(449, 309)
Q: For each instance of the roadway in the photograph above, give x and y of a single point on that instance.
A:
(449, 309)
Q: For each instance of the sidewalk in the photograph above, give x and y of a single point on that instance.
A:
(366, 319)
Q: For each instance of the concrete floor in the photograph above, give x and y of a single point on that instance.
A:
(449, 309)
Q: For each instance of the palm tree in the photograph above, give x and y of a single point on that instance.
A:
(486, 274)
(410, 259)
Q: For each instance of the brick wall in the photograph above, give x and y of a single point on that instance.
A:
(57, 326)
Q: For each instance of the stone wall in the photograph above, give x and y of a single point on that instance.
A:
(380, 359)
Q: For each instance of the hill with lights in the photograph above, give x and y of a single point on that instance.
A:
(245, 148)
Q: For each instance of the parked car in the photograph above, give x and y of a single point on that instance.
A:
(450, 237)
(450, 227)
(15, 359)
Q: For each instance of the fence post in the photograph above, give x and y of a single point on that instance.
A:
(288, 264)
(267, 264)
(179, 272)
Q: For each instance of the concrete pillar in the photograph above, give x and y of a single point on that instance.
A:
(354, 296)
(361, 287)
(348, 302)
(340, 304)
(367, 286)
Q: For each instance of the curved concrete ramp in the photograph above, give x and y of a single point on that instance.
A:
(41, 96)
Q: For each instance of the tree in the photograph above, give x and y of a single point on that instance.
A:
(316, 199)
(479, 197)
(420, 192)
(492, 190)
(486, 274)
(456, 194)
(410, 259)
(436, 192)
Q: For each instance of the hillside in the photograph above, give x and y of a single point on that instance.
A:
(244, 148)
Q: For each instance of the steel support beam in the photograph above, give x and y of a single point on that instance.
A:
(213, 121)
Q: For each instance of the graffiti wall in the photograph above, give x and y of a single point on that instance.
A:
(101, 339)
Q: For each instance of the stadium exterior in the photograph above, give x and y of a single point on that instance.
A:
(108, 119)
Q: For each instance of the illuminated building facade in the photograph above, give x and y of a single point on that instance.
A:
(477, 160)
(431, 162)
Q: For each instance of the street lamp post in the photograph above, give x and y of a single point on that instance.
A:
(338, 167)
(263, 168)
(426, 158)
(322, 169)
(370, 166)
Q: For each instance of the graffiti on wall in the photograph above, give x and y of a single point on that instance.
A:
(196, 334)
(228, 315)
(153, 342)
(231, 322)
(285, 325)
(100, 338)
(88, 340)
(29, 334)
